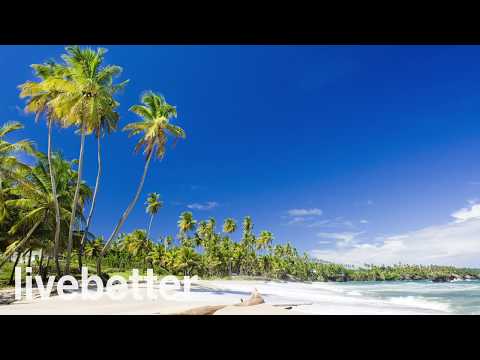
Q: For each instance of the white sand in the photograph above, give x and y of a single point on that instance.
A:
(322, 298)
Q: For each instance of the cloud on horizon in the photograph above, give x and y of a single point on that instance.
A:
(305, 212)
(455, 243)
(342, 238)
(299, 216)
(207, 206)
(465, 214)
(338, 222)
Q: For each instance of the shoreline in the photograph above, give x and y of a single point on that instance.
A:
(327, 298)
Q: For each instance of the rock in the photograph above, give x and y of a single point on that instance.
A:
(456, 277)
(441, 278)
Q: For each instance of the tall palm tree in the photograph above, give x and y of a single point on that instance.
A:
(185, 224)
(229, 227)
(39, 96)
(105, 125)
(154, 128)
(154, 204)
(85, 96)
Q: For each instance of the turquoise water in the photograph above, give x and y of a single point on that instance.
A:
(458, 297)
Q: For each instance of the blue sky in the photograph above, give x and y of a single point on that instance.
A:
(352, 153)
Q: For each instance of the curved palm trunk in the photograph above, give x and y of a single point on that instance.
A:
(22, 242)
(149, 226)
(125, 214)
(40, 266)
(75, 200)
(92, 208)
(56, 240)
(2, 205)
(29, 264)
(12, 274)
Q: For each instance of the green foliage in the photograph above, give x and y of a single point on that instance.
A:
(202, 251)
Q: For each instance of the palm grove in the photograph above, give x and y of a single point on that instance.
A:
(48, 206)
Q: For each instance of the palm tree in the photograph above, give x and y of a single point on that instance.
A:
(167, 241)
(154, 128)
(186, 223)
(202, 231)
(154, 204)
(264, 240)
(93, 248)
(157, 256)
(137, 244)
(229, 226)
(106, 125)
(8, 162)
(85, 97)
(186, 260)
(40, 94)
(34, 198)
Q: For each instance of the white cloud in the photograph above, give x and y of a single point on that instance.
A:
(363, 221)
(455, 243)
(324, 242)
(298, 220)
(467, 213)
(342, 238)
(305, 212)
(207, 206)
(332, 223)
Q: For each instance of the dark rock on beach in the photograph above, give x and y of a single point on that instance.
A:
(441, 278)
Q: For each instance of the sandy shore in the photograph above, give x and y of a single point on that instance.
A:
(299, 298)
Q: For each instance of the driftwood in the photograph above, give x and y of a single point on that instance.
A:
(202, 310)
(255, 299)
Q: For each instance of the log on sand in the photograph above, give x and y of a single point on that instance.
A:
(255, 299)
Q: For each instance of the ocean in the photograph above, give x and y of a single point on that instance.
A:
(457, 297)
(387, 297)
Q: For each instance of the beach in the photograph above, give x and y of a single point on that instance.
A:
(295, 298)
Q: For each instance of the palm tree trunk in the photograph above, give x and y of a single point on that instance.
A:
(40, 265)
(126, 213)
(22, 242)
(10, 282)
(56, 240)
(92, 207)
(2, 205)
(75, 200)
(30, 258)
(149, 226)
(45, 270)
